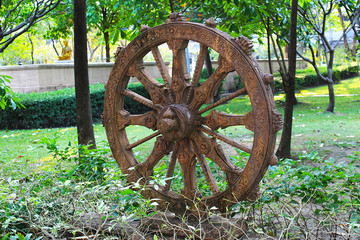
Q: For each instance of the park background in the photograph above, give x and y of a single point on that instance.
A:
(312, 194)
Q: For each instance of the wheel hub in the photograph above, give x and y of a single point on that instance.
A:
(175, 122)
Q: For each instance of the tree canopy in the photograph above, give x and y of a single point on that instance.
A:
(17, 16)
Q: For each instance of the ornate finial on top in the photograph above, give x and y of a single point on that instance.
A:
(175, 17)
(118, 50)
(245, 44)
(274, 160)
(210, 22)
(268, 78)
(144, 28)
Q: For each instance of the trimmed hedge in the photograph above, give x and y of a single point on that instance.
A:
(308, 78)
(57, 108)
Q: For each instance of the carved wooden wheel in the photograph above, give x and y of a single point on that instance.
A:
(185, 127)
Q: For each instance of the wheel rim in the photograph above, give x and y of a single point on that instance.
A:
(182, 129)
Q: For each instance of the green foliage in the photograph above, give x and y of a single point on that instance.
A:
(18, 16)
(57, 108)
(203, 74)
(49, 202)
(295, 193)
(104, 15)
(58, 26)
(7, 97)
(91, 162)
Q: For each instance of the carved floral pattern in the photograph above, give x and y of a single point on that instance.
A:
(199, 140)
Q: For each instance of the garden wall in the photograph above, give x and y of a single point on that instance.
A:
(48, 77)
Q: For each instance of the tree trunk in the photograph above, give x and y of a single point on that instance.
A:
(54, 47)
(92, 51)
(269, 47)
(330, 64)
(82, 93)
(209, 72)
(284, 150)
(346, 45)
(32, 49)
(107, 46)
(208, 65)
(102, 53)
(292, 92)
(331, 105)
(354, 48)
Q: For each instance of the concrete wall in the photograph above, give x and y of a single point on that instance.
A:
(47, 77)
(231, 82)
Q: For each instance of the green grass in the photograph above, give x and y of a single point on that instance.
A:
(311, 124)
(24, 148)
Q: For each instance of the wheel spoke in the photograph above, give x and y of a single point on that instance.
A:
(212, 150)
(143, 100)
(225, 139)
(187, 160)
(124, 119)
(180, 75)
(156, 90)
(197, 72)
(163, 70)
(161, 148)
(206, 169)
(224, 100)
(210, 86)
(171, 168)
(145, 139)
(216, 120)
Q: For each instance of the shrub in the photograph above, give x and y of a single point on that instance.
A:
(48, 204)
(57, 108)
(308, 78)
(7, 96)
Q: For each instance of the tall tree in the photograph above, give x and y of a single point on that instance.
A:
(276, 21)
(82, 92)
(285, 142)
(16, 17)
(341, 18)
(104, 16)
(351, 7)
(314, 16)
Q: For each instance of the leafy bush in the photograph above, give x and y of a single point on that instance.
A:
(90, 163)
(57, 108)
(46, 203)
(307, 202)
(308, 78)
(7, 97)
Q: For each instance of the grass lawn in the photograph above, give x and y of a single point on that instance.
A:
(312, 128)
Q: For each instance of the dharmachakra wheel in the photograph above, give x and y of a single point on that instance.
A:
(185, 126)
